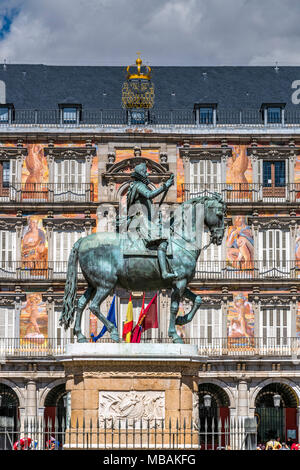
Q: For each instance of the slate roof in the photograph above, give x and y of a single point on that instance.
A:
(44, 87)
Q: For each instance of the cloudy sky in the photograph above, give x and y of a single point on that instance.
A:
(167, 32)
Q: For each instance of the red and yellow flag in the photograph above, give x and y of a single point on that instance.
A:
(127, 328)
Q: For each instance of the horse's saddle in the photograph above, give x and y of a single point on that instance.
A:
(138, 247)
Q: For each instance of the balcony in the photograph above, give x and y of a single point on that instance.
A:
(207, 347)
(35, 271)
(242, 193)
(43, 193)
(154, 117)
(205, 270)
(251, 270)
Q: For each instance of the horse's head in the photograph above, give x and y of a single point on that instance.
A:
(214, 214)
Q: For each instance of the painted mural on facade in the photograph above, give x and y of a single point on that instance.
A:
(240, 318)
(298, 322)
(34, 319)
(240, 244)
(297, 177)
(34, 246)
(35, 173)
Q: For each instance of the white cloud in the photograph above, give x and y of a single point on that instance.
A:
(167, 32)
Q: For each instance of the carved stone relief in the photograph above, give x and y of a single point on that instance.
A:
(138, 406)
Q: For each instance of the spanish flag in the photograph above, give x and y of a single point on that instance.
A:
(127, 328)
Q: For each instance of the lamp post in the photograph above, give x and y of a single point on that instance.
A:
(276, 400)
(207, 401)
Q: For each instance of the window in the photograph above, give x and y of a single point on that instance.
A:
(275, 326)
(205, 113)
(63, 242)
(61, 335)
(6, 113)
(210, 259)
(274, 174)
(69, 179)
(207, 325)
(7, 250)
(274, 249)
(273, 115)
(7, 322)
(70, 113)
(204, 175)
(7, 176)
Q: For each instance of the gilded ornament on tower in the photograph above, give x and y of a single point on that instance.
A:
(138, 89)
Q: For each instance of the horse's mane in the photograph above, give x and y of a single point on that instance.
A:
(203, 199)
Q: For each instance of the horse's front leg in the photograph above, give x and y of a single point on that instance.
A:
(188, 294)
(176, 295)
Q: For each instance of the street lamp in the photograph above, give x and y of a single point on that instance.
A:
(207, 401)
(276, 400)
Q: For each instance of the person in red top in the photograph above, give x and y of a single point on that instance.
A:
(295, 446)
(22, 444)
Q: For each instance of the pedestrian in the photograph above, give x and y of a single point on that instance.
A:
(284, 446)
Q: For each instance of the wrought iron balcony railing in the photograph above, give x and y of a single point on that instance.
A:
(206, 270)
(34, 270)
(248, 270)
(153, 117)
(241, 193)
(47, 192)
(207, 347)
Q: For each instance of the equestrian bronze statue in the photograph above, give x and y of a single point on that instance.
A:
(140, 256)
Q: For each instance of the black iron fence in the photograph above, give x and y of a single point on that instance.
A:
(205, 270)
(203, 434)
(47, 192)
(153, 117)
(277, 346)
(245, 192)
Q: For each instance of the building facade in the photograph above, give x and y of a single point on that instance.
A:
(66, 150)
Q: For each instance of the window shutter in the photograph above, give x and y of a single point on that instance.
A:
(7, 322)
(13, 172)
(2, 322)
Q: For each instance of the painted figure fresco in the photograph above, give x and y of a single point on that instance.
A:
(34, 319)
(298, 321)
(35, 173)
(240, 317)
(240, 244)
(34, 247)
(297, 249)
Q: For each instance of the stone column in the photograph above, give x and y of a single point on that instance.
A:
(31, 400)
(242, 398)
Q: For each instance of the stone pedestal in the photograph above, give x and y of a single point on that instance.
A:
(113, 385)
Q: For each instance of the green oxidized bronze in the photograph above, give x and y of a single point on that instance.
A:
(139, 257)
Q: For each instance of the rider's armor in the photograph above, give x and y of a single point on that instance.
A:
(139, 192)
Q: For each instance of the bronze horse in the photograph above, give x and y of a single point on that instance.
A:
(105, 267)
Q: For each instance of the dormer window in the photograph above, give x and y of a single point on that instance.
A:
(273, 113)
(6, 113)
(205, 113)
(70, 113)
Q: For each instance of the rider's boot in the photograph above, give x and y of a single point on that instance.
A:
(162, 259)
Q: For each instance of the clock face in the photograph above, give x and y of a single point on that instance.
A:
(138, 94)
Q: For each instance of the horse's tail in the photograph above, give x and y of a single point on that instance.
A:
(69, 308)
